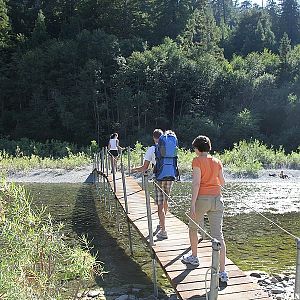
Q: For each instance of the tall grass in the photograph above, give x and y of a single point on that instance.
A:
(9, 163)
(248, 158)
(35, 261)
(245, 159)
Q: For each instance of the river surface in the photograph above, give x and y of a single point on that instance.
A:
(252, 241)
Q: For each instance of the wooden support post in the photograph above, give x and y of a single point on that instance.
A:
(214, 278)
(150, 230)
(297, 278)
(126, 205)
(129, 158)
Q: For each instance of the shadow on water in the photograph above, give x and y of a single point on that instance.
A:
(91, 220)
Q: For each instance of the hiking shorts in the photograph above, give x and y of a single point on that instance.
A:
(114, 153)
(164, 187)
(213, 206)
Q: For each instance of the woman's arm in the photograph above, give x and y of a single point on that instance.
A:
(221, 177)
(142, 168)
(195, 188)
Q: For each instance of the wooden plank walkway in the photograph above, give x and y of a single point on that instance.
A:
(188, 281)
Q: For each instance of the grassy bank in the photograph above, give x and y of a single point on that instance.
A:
(26, 154)
(245, 159)
(10, 163)
(36, 263)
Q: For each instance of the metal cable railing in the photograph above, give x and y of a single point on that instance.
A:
(297, 279)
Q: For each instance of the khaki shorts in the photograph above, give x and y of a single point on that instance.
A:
(160, 196)
(213, 206)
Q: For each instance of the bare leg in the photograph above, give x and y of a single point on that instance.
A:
(166, 206)
(161, 216)
(193, 241)
(222, 256)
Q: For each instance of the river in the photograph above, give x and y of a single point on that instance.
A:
(252, 242)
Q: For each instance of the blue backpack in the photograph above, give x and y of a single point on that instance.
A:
(166, 158)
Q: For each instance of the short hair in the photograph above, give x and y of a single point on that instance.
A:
(114, 135)
(157, 133)
(202, 143)
(171, 132)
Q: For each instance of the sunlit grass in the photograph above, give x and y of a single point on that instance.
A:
(245, 159)
(9, 163)
(36, 263)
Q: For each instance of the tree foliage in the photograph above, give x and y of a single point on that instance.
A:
(78, 70)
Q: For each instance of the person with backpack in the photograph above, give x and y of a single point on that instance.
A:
(206, 199)
(163, 155)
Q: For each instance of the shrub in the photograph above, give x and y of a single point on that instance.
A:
(35, 261)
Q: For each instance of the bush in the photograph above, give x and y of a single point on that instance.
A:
(35, 261)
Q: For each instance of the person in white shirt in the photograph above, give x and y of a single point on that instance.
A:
(164, 186)
(114, 149)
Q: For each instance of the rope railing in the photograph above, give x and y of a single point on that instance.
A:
(202, 230)
(189, 217)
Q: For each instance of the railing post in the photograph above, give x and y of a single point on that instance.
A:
(150, 230)
(102, 159)
(114, 176)
(143, 179)
(129, 158)
(97, 161)
(214, 278)
(106, 179)
(297, 278)
(126, 205)
(106, 161)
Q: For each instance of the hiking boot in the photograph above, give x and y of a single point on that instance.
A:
(162, 234)
(223, 276)
(190, 259)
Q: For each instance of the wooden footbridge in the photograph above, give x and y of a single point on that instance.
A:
(188, 281)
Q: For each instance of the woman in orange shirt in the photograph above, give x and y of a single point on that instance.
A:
(206, 199)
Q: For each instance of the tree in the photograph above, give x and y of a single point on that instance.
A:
(284, 48)
(273, 11)
(253, 32)
(39, 34)
(290, 20)
(201, 35)
(4, 25)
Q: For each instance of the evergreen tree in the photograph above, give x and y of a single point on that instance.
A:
(284, 48)
(290, 20)
(201, 35)
(273, 11)
(4, 24)
(39, 33)
(253, 32)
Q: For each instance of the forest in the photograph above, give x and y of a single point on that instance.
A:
(78, 70)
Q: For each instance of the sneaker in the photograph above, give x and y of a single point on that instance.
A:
(190, 259)
(223, 276)
(162, 234)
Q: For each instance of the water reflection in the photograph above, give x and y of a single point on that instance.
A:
(253, 243)
(76, 205)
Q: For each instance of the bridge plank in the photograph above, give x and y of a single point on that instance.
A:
(188, 281)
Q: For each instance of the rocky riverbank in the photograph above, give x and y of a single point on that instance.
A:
(278, 286)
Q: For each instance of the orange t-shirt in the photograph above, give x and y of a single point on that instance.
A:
(210, 168)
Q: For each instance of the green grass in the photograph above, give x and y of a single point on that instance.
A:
(10, 163)
(245, 159)
(36, 263)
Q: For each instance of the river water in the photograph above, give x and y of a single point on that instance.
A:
(252, 242)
